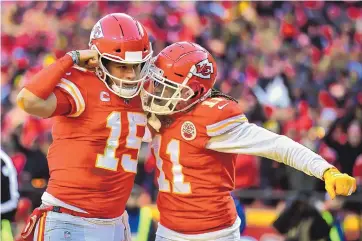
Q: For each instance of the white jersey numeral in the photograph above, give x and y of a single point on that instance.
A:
(212, 102)
(133, 141)
(178, 183)
(108, 159)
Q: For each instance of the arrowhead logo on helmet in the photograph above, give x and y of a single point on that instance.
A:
(97, 32)
(203, 69)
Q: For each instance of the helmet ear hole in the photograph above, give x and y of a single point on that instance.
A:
(202, 90)
(199, 92)
(118, 50)
(197, 89)
(195, 94)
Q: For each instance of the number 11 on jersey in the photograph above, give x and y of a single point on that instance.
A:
(173, 150)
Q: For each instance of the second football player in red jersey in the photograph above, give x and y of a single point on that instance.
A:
(197, 134)
(98, 128)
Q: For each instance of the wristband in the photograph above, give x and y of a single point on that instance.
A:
(75, 56)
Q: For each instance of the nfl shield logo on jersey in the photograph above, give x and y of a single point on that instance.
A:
(188, 131)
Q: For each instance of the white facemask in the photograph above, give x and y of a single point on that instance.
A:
(125, 91)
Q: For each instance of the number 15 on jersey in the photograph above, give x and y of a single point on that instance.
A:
(108, 159)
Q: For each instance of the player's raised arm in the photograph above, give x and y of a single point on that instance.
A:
(247, 138)
(39, 97)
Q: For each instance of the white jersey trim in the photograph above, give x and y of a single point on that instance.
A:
(50, 200)
(73, 90)
(225, 125)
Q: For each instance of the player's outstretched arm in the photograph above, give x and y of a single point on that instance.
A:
(251, 139)
(39, 98)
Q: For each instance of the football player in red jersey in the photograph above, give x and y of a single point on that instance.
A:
(98, 128)
(197, 134)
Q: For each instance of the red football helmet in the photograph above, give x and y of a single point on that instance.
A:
(119, 37)
(180, 76)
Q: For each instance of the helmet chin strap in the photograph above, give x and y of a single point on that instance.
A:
(160, 108)
(154, 122)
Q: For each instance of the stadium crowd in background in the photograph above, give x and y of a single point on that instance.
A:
(294, 67)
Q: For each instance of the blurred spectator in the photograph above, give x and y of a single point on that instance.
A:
(9, 195)
(348, 147)
(23, 212)
(140, 215)
(302, 221)
(9, 188)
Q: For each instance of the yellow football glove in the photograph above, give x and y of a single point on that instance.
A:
(338, 183)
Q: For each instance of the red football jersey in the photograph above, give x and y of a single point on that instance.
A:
(93, 157)
(195, 182)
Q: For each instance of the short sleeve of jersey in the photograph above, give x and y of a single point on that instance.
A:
(221, 115)
(70, 85)
(65, 103)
